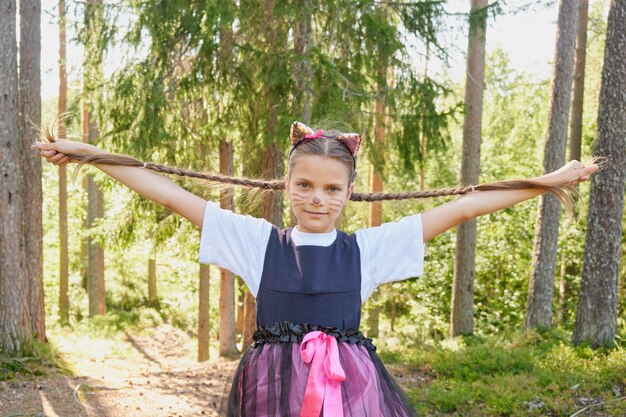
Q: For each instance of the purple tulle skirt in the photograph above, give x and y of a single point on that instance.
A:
(271, 378)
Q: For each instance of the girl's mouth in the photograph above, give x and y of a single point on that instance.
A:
(314, 213)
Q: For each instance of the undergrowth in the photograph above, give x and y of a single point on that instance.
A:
(44, 359)
(533, 374)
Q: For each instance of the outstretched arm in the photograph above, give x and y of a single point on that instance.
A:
(148, 184)
(441, 218)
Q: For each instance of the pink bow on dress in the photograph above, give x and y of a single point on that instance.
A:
(323, 387)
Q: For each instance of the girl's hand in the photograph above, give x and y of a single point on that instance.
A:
(573, 173)
(57, 152)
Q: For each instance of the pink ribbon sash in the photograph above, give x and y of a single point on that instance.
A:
(324, 384)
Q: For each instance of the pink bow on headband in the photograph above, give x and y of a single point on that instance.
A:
(301, 132)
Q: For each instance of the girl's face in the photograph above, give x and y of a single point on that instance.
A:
(318, 188)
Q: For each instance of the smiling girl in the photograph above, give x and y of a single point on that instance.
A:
(309, 357)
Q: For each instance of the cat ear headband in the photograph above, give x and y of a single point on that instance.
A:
(301, 133)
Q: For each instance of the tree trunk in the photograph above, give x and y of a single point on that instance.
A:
(64, 303)
(302, 67)
(15, 326)
(462, 311)
(541, 286)
(95, 269)
(31, 196)
(203, 314)
(576, 121)
(422, 137)
(302, 71)
(240, 303)
(272, 168)
(596, 318)
(572, 269)
(84, 244)
(95, 209)
(376, 209)
(249, 320)
(228, 347)
(152, 282)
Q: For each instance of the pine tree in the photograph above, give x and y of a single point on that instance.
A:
(596, 318)
(541, 286)
(462, 312)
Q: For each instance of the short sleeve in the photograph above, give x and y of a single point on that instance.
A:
(236, 242)
(390, 252)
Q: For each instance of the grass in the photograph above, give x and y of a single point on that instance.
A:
(534, 374)
(41, 362)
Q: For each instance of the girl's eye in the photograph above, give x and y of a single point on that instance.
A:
(333, 189)
(303, 185)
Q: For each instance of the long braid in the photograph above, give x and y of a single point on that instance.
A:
(125, 160)
(563, 192)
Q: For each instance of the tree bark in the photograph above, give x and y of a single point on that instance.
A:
(541, 287)
(152, 282)
(64, 303)
(571, 269)
(15, 325)
(31, 196)
(462, 311)
(240, 303)
(422, 137)
(576, 120)
(203, 314)
(302, 71)
(249, 320)
(228, 346)
(95, 269)
(95, 210)
(271, 167)
(302, 68)
(596, 318)
(376, 208)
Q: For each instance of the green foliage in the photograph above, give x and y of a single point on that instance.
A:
(43, 360)
(514, 375)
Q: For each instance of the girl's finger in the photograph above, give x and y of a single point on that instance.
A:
(47, 154)
(56, 158)
(54, 155)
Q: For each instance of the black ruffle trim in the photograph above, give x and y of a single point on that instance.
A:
(286, 331)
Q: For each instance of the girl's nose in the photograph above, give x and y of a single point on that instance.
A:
(316, 200)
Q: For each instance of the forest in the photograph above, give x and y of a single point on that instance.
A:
(105, 309)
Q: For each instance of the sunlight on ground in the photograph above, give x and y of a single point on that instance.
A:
(48, 408)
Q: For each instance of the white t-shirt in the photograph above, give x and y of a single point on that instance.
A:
(390, 252)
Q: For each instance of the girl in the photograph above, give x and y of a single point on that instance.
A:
(308, 357)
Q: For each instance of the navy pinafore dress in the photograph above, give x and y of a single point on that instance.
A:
(308, 357)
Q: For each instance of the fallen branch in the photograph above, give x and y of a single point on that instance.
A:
(89, 388)
(589, 407)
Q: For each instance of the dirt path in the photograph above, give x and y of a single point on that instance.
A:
(138, 376)
(155, 376)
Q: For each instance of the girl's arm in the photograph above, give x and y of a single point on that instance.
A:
(441, 218)
(148, 184)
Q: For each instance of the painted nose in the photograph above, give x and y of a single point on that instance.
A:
(316, 200)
